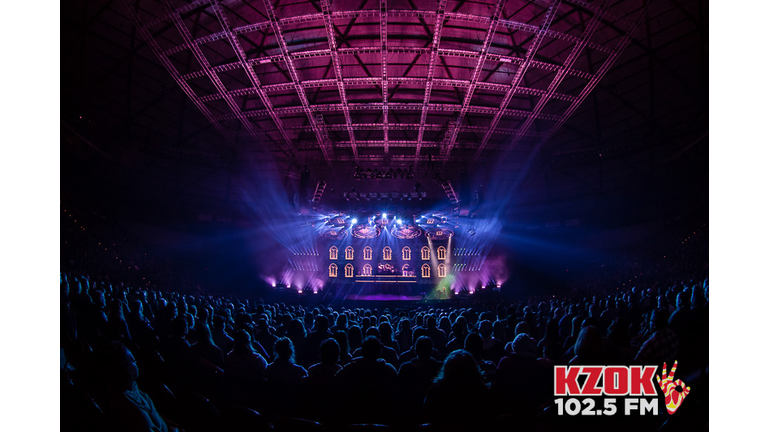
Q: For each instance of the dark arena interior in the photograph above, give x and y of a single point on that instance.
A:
(365, 215)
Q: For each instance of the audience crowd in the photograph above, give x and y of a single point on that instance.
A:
(137, 359)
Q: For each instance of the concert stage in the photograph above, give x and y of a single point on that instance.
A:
(382, 297)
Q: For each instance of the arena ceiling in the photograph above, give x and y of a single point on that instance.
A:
(175, 94)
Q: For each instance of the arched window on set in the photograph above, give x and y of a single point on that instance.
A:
(425, 253)
(387, 253)
(406, 253)
(367, 270)
(441, 270)
(349, 253)
(334, 252)
(367, 253)
(425, 271)
(333, 270)
(441, 253)
(349, 270)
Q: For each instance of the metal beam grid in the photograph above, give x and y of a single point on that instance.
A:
(434, 49)
(255, 82)
(607, 64)
(350, 82)
(443, 52)
(310, 18)
(330, 30)
(429, 79)
(453, 133)
(384, 82)
(325, 146)
(574, 54)
(517, 79)
(175, 16)
(129, 7)
(403, 127)
(293, 110)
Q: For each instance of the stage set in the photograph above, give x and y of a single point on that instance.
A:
(383, 256)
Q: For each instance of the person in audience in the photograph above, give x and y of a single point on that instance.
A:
(129, 408)
(404, 335)
(329, 361)
(458, 334)
(662, 345)
(459, 380)
(474, 345)
(206, 348)
(434, 333)
(315, 338)
(589, 347)
(220, 336)
(368, 384)
(387, 337)
(418, 374)
(493, 348)
(386, 353)
(341, 338)
(284, 369)
(551, 342)
(243, 363)
(298, 337)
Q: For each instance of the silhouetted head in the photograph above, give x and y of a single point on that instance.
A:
(179, 327)
(296, 330)
(341, 338)
(405, 325)
(523, 344)
(284, 350)
(372, 331)
(137, 310)
(424, 347)
(204, 335)
(329, 351)
(242, 342)
(431, 322)
(218, 322)
(99, 299)
(355, 336)
(262, 325)
(386, 330)
(591, 321)
(321, 324)
(460, 369)
(341, 321)
(499, 331)
(371, 348)
(474, 343)
(659, 319)
(589, 345)
(485, 328)
(522, 327)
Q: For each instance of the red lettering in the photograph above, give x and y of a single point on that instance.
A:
(641, 381)
(616, 380)
(593, 376)
(565, 381)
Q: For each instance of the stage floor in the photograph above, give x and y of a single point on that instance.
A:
(382, 297)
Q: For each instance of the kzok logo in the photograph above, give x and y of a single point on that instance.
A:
(673, 397)
(616, 381)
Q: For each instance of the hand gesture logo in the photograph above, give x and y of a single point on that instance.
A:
(672, 397)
